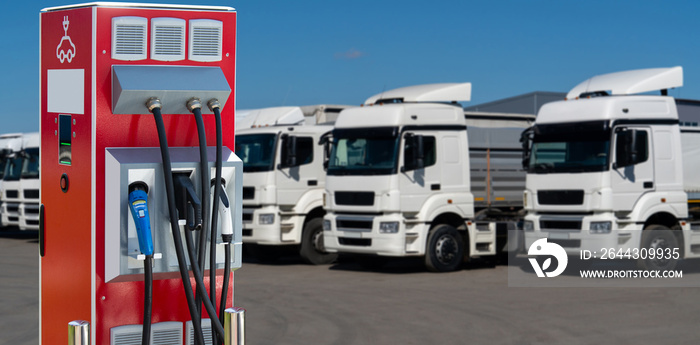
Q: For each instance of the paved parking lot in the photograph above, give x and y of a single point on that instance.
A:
(293, 303)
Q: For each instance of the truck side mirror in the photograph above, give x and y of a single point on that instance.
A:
(414, 153)
(625, 148)
(326, 142)
(289, 157)
(526, 140)
(420, 155)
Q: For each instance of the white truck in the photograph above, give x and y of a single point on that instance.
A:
(283, 181)
(29, 183)
(10, 181)
(9, 144)
(412, 174)
(613, 173)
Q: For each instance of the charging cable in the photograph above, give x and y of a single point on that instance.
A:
(138, 204)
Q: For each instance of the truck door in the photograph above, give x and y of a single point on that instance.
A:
(633, 166)
(419, 175)
(295, 176)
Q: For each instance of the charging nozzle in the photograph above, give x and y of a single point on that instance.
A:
(225, 214)
(138, 204)
(187, 201)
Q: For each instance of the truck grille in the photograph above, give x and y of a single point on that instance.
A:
(567, 225)
(560, 197)
(354, 198)
(350, 225)
(566, 243)
(11, 193)
(31, 194)
(248, 193)
(359, 242)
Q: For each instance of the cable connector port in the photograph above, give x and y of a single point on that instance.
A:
(214, 104)
(194, 103)
(188, 205)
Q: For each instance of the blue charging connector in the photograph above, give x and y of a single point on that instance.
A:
(138, 203)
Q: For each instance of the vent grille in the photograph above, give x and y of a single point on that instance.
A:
(354, 198)
(560, 197)
(205, 40)
(162, 333)
(206, 330)
(11, 193)
(560, 225)
(353, 225)
(31, 194)
(168, 40)
(248, 193)
(129, 35)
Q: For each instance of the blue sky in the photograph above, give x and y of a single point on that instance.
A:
(311, 52)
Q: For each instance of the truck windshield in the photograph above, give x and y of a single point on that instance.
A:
(570, 148)
(257, 151)
(13, 168)
(364, 151)
(30, 167)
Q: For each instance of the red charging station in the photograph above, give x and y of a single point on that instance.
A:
(101, 63)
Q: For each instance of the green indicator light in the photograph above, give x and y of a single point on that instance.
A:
(65, 144)
(64, 162)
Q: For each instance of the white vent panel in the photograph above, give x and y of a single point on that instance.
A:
(168, 39)
(162, 333)
(206, 330)
(129, 37)
(205, 40)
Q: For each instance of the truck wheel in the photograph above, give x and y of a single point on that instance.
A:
(445, 249)
(656, 237)
(312, 248)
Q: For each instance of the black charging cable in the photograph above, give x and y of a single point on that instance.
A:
(194, 105)
(215, 107)
(154, 106)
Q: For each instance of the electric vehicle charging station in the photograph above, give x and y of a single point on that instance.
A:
(131, 156)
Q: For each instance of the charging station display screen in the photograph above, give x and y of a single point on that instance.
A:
(64, 139)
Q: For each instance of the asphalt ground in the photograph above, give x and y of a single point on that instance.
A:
(292, 303)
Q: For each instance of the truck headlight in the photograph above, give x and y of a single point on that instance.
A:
(528, 225)
(266, 218)
(326, 225)
(388, 227)
(601, 227)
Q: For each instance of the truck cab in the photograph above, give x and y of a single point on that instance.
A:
(29, 184)
(9, 144)
(11, 199)
(400, 179)
(605, 169)
(283, 182)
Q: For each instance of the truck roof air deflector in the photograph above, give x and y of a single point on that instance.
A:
(445, 92)
(631, 82)
(132, 86)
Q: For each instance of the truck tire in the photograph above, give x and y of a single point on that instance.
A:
(312, 249)
(444, 251)
(655, 237)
